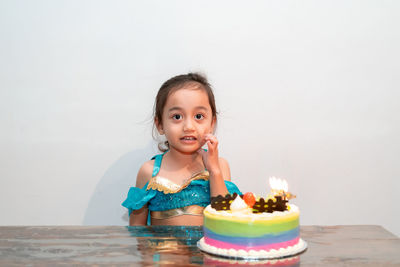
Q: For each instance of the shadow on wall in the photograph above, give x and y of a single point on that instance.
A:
(105, 204)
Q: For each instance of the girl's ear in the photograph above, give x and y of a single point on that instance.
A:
(159, 126)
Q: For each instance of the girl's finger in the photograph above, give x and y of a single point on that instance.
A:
(210, 147)
(211, 138)
(214, 142)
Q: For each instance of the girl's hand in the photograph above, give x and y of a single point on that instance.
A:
(211, 162)
(210, 157)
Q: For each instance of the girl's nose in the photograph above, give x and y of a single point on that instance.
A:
(188, 125)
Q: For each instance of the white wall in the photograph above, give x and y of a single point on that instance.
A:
(307, 90)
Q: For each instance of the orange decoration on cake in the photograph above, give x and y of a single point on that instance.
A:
(250, 199)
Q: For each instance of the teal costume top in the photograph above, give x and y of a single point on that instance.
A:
(161, 194)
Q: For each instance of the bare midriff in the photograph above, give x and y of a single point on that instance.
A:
(189, 220)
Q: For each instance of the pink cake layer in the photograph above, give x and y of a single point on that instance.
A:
(224, 245)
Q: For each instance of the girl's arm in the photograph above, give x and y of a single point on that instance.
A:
(139, 217)
(225, 169)
(217, 167)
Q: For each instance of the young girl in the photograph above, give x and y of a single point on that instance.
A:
(174, 187)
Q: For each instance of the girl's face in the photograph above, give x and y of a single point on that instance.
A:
(186, 119)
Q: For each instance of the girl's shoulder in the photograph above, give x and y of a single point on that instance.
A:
(225, 169)
(145, 173)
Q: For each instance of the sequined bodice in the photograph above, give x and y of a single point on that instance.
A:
(169, 195)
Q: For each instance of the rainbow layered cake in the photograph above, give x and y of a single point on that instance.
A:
(246, 227)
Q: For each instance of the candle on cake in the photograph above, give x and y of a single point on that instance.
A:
(280, 188)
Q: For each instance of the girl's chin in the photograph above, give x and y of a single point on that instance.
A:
(187, 151)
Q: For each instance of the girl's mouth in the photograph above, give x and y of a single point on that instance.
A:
(188, 138)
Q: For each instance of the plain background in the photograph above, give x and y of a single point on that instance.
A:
(306, 90)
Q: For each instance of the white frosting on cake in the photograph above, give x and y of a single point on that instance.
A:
(266, 262)
(238, 204)
(273, 253)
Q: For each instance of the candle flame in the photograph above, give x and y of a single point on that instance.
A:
(278, 185)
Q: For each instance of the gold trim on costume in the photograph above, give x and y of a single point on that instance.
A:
(188, 210)
(164, 185)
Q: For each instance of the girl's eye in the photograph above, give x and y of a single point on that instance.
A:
(199, 116)
(177, 117)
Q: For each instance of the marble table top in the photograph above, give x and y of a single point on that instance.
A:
(346, 245)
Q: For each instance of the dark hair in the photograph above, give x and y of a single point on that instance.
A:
(174, 84)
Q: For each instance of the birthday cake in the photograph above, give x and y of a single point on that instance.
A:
(252, 228)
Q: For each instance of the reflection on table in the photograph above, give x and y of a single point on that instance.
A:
(366, 245)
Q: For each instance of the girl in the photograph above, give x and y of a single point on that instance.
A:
(174, 187)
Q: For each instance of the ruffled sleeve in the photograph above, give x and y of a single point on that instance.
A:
(137, 198)
(232, 188)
